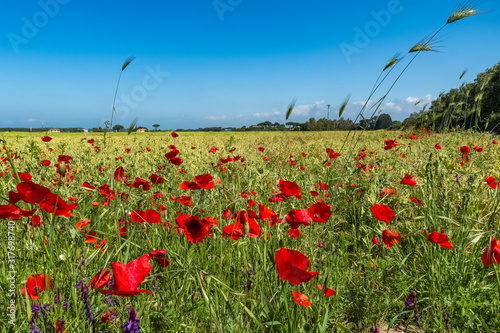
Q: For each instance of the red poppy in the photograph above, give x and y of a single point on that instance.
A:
(194, 228)
(36, 284)
(119, 172)
(331, 153)
(266, 213)
(407, 180)
(494, 142)
(389, 144)
(90, 237)
(185, 185)
(289, 189)
(82, 223)
(261, 148)
(320, 212)
(390, 238)
(171, 154)
(491, 181)
(10, 212)
(388, 192)
(375, 240)
(492, 254)
(174, 135)
(293, 266)
(150, 215)
(382, 213)
(122, 231)
(45, 163)
(205, 181)
(416, 201)
(296, 217)
(183, 200)
(46, 138)
(301, 299)
(226, 214)
(441, 239)
(294, 233)
(141, 182)
(438, 146)
(214, 149)
(29, 192)
(160, 257)
(108, 316)
(127, 278)
(478, 149)
(329, 292)
(64, 159)
(87, 187)
(465, 152)
(101, 279)
(155, 179)
(35, 221)
(91, 141)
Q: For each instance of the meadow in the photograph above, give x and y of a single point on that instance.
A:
(249, 232)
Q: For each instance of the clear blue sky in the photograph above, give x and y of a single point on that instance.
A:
(226, 62)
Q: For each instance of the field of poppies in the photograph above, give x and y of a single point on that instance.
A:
(259, 232)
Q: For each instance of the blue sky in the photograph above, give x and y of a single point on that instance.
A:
(226, 62)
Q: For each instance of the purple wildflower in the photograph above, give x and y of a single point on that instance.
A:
(132, 325)
(154, 282)
(457, 176)
(321, 244)
(85, 297)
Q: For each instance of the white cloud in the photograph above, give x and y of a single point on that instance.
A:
(412, 99)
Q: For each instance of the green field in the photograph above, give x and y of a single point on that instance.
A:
(233, 279)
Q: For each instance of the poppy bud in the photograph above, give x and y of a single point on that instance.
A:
(61, 169)
(246, 228)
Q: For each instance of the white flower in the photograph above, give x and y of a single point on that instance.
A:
(62, 256)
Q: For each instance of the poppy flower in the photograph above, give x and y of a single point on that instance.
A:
(150, 215)
(35, 221)
(87, 187)
(296, 217)
(416, 201)
(226, 214)
(46, 139)
(389, 144)
(10, 212)
(388, 192)
(122, 231)
(261, 148)
(141, 182)
(382, 213)
(441, 239)
(36, 284)
(293, 266)
(194, 228)
(301, 299)
(294, 233)
(128, 277)
(407, 180)
(186, 185)
(101, 279)
(183, 200)
(108, 316)
(174, 135)
(90, 237)
(390, 238)
(266, 213)
(64, 159)
(29, 192)
(328, 292)
(160, 257)
(156, 179)
(492, 254)
(205, 181)
(171, 154)
(289, 189)
(478, 149)
(438, 146)
(45, 163)
(119, 172)
(465, 152)
(331, 153)
(320, 212)
(491, 181)
(494, 142)
(214, 149)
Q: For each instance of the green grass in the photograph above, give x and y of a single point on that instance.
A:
(208, 288)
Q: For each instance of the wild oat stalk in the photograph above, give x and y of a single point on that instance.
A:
(425, 45)
(109, 124)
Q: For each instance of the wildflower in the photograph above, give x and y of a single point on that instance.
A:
(296, 217)
(62, 257)
(150, 215)
(154, 282)
(411, 300)
(321, 244)
(375, 240)
(407, 180)
(441, 239)
(388, 192)
(320, 212)
(46, 139)
(85, 298)
(382, 213)
(132, 325)
(416, 201)
(36, 284)
(195, 229)
(492, 182)
(492, 254)
(301, 299)
(101, 279)
(390, 238)
(292, 266)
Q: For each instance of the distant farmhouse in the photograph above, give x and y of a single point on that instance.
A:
(141, 130)
(54, 130)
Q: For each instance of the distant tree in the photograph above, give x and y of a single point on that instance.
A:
(384, 121)
(118, 128)
(156, 127)
(396, 125)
